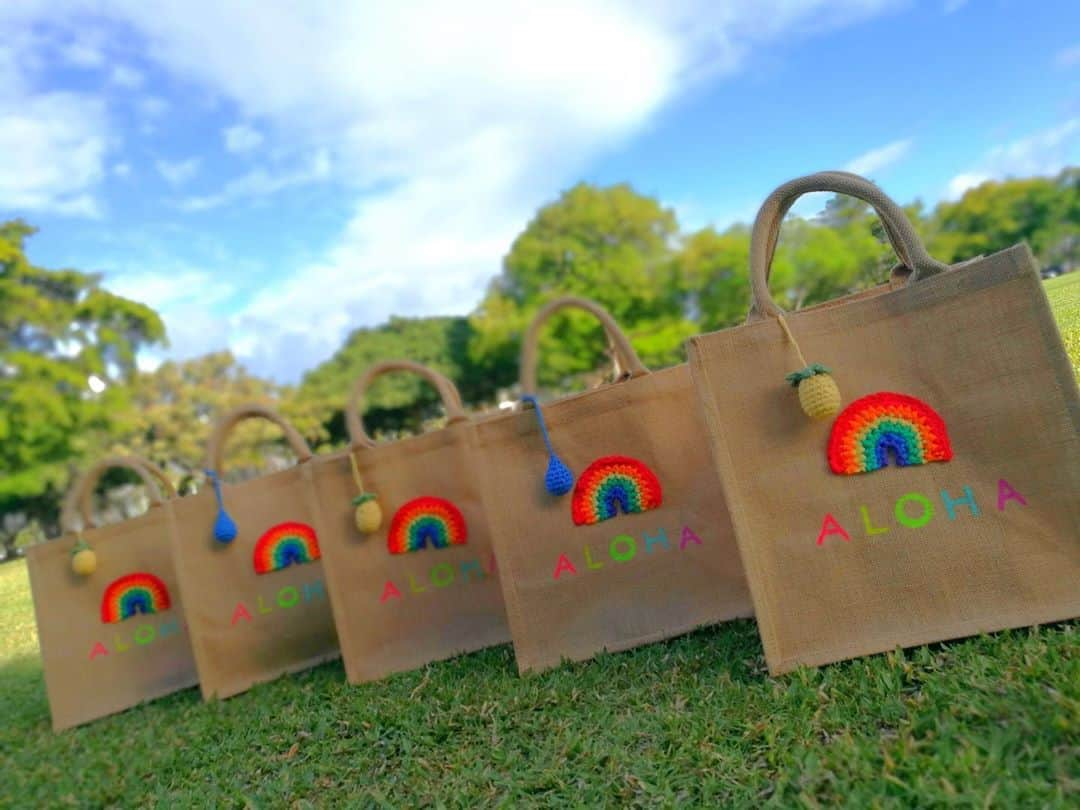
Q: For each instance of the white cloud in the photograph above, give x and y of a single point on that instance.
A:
(153, 106)
(878, 159)
(951, 6)
(124, 76)
(83, 54)
(122, 169)
(241, 138)
(962, 182)
(186, 297)
(178, 172)
(262, 182)
(447, 123)
(1068, 57)
(52, 153)
(1042, 153)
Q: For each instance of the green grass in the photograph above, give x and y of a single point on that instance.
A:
(1064, 295)
(990, 721)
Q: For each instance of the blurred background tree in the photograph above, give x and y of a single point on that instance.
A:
(67, 356)
(69, 389)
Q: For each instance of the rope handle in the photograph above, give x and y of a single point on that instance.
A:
(626, 358)
(215, 449)
(448, 393)
(916, 262)
(79, 502)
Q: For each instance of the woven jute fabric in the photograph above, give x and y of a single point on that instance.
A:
(399, 611)
(573, 590)
(249, 627)
(98, 664)
(846, 565)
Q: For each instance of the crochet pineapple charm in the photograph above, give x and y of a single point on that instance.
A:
(83, 558)
(818, 394)
(368, 513)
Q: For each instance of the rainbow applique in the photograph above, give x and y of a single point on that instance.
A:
(132, 595)
(870, 429)
(286, 544)
(426, 522)
(612, 484)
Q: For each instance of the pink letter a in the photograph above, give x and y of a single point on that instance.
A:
(562, 565)
(390, 591)
(1006, 493)
(830, 526)
(241, 612)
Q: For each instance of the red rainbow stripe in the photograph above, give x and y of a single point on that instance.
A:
(612, 484)
(426, 522)
(285, 544)
(132, 595)
(885, 425)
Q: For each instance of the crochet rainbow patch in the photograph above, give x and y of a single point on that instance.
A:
(286, 544)
(871, 429)
(426, 522)
(612, 484)
(132, 595)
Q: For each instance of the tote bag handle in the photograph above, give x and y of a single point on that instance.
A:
(447, 391)
(80, 499)
(215, 450)
(626, 358)
(905, 241)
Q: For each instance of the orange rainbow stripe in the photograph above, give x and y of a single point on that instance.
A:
(870, 430)
(286, 544)
(426, 522)
(132, 595)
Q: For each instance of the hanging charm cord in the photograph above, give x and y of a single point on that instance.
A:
(558, 480)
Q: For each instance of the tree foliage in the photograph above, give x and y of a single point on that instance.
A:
(60, 333)
(623, 249)
(395, 402)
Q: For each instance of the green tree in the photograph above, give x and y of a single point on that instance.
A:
(609, 244)
(1042, 211)
(398, 402)
(67, 352)
(175, 407)
(711, 275)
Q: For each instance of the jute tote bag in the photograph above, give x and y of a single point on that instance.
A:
(113, 635)
(248, 560)
(408, 552)
(640, 546)
(939, 495)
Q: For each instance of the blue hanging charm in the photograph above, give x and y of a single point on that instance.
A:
(558, 480)
(224, 526)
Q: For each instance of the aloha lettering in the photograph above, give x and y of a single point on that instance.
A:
(142, 636)
(440, 576)
(913, 510)
(622, 549)
(288, 597)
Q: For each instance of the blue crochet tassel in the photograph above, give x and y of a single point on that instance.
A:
(558, 480)
(224, 526)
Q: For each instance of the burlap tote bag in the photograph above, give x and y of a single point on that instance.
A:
(248, 560)
(639, 545)
(936, 496)
(408, 552)
(109, 618)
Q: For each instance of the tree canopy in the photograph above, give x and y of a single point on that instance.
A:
(70, 389)
(67, 357)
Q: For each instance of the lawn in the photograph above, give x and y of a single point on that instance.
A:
(990, 721)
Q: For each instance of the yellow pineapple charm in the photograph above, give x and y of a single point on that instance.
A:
(83, 558)
(818, 394)
(368, 513)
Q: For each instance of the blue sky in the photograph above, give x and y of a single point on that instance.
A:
(271, 175)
